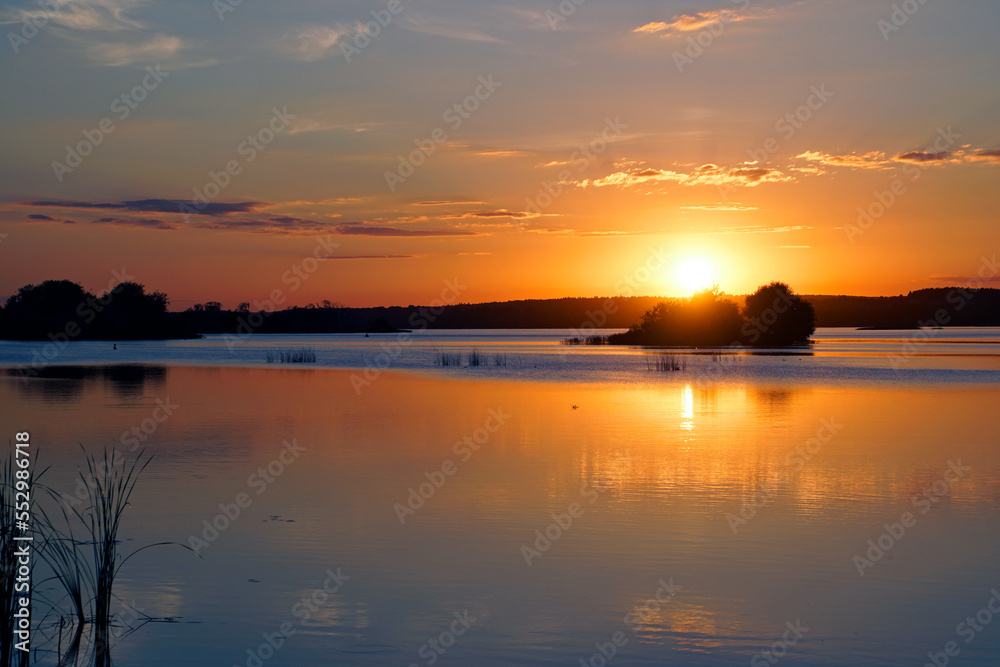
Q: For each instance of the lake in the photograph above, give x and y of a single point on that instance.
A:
(556, 505)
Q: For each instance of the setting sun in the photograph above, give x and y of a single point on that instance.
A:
(694, 274)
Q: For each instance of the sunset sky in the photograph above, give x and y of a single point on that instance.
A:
(563, 149)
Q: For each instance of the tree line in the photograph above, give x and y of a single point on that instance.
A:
(66, 310)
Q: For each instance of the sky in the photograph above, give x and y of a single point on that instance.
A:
(393, 151)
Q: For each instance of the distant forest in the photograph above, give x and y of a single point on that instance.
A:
(62, 308)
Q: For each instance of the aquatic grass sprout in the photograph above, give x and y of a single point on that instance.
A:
(297, 355)
(472, 359)
(667, 363)
(588, 340)
(446, 359)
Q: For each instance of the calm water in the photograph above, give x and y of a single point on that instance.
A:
(742, 490)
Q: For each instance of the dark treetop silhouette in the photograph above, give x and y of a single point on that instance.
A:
(773, 316)
(60, 308)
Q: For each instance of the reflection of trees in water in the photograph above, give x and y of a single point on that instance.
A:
(776, 399)
(130, 380)
(65, 384)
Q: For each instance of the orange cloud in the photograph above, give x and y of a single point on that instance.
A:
(746, 175)
(690, 22)
(872, 160)
(501, 213)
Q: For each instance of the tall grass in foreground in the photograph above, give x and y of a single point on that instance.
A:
(109, 498)
(62, 553)
(87, 568)
(666, 363)
(297, 355)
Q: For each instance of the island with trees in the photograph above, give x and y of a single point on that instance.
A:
(773, 316)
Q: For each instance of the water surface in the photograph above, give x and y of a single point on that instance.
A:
(818, 450)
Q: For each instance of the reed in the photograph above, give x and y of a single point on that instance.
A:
(297, 355)
(666, 363)
(63, 554)
(445, 359)
(588, 340)
(89, 578)
(110, 494)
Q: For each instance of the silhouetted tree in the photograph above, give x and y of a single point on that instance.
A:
(776, 316)
(131, 313)
(37, 311)
(707, 319)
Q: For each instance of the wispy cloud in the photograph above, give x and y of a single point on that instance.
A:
(402, 220)
(220, 216)
(302, 125)
(445, 26)
(89, 15)
(362, 230)
(992, 155)
(683, 23)
(280, 225)
(879, 160)
(635, 177)
(153, 206)
(568, 232)
(921, 156)
(336, 257)
(871, 160)
(446, 202)
(519, 18)
(501, 213)
(146, 223)
(315, 42)
(746, 175)
(497, 152)
(753, 229)
(139, 49)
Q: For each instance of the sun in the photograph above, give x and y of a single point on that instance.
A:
(694, 274)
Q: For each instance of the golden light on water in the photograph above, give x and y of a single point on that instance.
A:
(687, 408)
